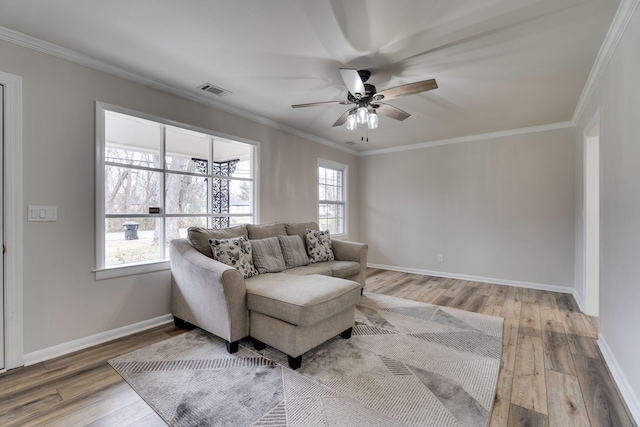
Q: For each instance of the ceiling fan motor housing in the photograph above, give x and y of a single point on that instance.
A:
(370, 91)
(364, 75)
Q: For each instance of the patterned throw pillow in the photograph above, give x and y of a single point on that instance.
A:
(267, 255)
(235, 253)
(319, 246)
(293, 251)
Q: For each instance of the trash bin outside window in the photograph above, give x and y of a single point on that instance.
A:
(131, 230)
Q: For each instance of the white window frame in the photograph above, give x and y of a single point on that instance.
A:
(104, 272)
(328, 164)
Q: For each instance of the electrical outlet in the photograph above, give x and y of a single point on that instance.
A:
(441, 258)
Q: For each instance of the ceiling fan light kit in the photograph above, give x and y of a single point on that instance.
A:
(372, 121)
(366, 97)
(363, 115)
(352, 122)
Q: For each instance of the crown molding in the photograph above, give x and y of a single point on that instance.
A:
(88, 61)
(615, 33)
(471, 138)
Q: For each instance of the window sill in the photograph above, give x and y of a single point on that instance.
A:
(131, 270)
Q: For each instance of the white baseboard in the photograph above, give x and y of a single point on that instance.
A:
(529, 285)
(629, 396)
(579, 301)
(82, 343)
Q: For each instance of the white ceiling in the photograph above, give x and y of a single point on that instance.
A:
(499, 64)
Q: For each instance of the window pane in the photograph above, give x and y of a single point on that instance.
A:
(186, 194)
(186, 151)
(239, 220)
(240, 196)
(331, 217)
(231, 158)
(230, 196)
(131, 240)
(182, 183)
(176, 228)
(130, 190)
(131, 140)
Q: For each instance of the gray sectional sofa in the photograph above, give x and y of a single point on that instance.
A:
(292, 310)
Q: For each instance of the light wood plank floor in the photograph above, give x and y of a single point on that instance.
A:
(552, 373)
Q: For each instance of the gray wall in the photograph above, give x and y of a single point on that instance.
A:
(62, 300)
(617, 96)
(498, 208)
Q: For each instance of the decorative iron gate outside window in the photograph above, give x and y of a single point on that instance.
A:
(221, 187)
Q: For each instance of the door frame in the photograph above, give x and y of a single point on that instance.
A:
(591, 286)
(13, 217)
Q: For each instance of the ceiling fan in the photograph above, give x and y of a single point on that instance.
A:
(367, 99)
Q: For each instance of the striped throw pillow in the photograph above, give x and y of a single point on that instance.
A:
(293, 250)
(267, 255)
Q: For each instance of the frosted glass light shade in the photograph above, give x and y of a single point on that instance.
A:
(372, 123)
(363, 115)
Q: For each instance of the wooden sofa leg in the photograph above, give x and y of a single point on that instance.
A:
(295, 362)
(258, 345)
(232, 347)
(179, 323)
(346, 334)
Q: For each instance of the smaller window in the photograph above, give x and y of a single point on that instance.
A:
(332, 196)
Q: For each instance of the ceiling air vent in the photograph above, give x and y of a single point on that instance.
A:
(208, 87)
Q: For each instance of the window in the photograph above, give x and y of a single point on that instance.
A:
(156, 179)
(332, 178)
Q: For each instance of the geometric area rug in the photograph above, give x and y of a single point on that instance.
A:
(407, 363)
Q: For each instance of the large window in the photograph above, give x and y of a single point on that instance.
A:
(332, 196)
(157, 178)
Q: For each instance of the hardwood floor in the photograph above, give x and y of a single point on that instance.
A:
(552, 373)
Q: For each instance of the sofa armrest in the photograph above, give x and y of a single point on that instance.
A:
(352, 251)
(207, 293)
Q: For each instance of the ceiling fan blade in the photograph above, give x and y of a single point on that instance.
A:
(352, 81)
(320, 104)
(343, 118)
(403, 90)
(393, 112)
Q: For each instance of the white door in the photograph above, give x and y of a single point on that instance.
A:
(2, 347)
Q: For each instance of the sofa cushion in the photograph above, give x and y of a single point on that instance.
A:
(267, 255)
(293, 251)
(306, 270)
(319, 246)
(236, 253)
(342, 269)
(199, 237)
(300, 228)
(299, 300)
(262, 231)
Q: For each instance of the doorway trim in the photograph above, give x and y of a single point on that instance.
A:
(13, 272)
(591, 190)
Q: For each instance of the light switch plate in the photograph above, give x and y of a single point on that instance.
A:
(42, 213)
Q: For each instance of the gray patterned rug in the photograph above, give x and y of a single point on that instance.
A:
(407, 364)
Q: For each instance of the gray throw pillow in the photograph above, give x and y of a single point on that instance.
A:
(293, 250)
(319, 246)
(267, 255)
(235, 253)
